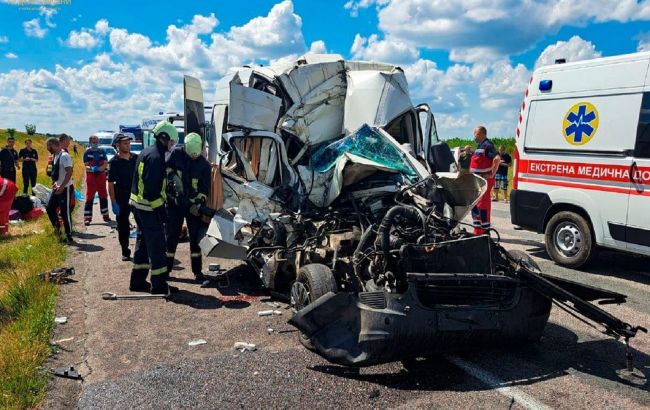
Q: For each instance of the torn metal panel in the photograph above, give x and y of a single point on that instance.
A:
(375, 98)
(252, 109)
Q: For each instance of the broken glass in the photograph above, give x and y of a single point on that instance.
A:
(366, 143)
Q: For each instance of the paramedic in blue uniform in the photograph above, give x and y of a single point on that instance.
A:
(148, 198)
(485, 162)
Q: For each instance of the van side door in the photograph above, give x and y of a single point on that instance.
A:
(637, 230)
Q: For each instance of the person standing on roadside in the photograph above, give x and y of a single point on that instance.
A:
(120, 176)
(28, 156)
(9, 161)
(61, 186)
(148, 198)
(465, 158)
(64, 141)
(95, 160)
(484, 163)
(502, 174)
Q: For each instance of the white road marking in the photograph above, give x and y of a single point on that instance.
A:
(494, 382)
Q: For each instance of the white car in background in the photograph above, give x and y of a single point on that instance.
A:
(110, 151)
(136, 147)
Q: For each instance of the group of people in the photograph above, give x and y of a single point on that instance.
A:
(162, 189)
(490, 164)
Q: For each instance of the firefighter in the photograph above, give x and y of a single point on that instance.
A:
(188, 175)
(95, 160)
(7, 193)
(148, 200)
(120, 176)
(9, 160)
(485, 162)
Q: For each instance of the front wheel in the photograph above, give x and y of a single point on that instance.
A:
(312, 282)
(569, 239)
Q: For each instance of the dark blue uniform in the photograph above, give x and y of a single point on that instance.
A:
(148, 200)
(196, 177)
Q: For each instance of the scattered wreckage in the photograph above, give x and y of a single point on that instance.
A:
(336, 190)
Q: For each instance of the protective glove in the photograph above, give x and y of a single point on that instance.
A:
(194, 209)
(116, 208)
(161, 213)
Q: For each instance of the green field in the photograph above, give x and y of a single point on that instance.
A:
(26, 302)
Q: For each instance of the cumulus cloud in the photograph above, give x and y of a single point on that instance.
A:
(355, 5)
(263, 38)
(318, 47)
(505, 85)
(88, 38)
(387, 50)
(644, 42)
(11, 56)
(503, 26)
(137, 77)
(576, 49)
(33, 28)
(48, 13)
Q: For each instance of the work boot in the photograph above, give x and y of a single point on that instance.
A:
(159, 286)
(107, 218)
(86, 222)
(199, 277)
(126, 255)
(140, 287)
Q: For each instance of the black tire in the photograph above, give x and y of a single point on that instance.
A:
(316, 280)
(524, 258)
(569, 239)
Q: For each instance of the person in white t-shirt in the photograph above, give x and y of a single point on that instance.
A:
(61, 186)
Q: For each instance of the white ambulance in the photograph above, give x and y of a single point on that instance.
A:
(582, 158)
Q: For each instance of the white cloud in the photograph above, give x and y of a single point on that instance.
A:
(576, 49)
(4, 39)
(48, 13)
(88, 38)
(318, 47)
(33, 28)
(263, 38)
(644, 42)
(472, 55)
(504, 26)
(355, 5)
(388, 50)
(11, 56)
(204, 24)
(505, 86)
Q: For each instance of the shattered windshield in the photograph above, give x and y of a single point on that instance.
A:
(366, 143)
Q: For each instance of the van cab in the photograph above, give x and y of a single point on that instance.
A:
(582, 158)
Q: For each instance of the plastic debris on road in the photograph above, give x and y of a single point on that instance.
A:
(243, 347)
(197, 342)
(269, 312)
(60, 319)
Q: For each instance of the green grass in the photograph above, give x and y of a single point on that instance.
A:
(26, 302)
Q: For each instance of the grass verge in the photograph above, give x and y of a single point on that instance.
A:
(26, 302)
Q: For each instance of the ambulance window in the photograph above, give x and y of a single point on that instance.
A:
(642, 149)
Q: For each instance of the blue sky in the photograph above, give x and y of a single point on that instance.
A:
(81, 66)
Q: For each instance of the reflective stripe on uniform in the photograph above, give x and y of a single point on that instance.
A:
(480, 170)
(195, 183)
(195, 254)
(3, 188)
(158, 271)
(170, 254)
(138, 201)
(141, 266)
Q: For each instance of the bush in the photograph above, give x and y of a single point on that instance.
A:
(30, 129)
(11, 132)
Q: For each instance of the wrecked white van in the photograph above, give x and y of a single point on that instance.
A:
(334, 188)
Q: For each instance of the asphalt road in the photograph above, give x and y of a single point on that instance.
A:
(135, 354)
